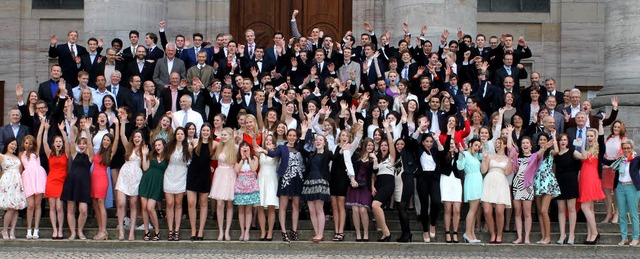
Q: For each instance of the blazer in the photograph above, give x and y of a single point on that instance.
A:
(232, 121)
(91, 67)
(190, 57)
(66, 61)
(78, 110)
(516, 73)
(124, 97)
(206, 75)
(45, 94)
(145, 75)
(120, 66)
(485, 102)
(6, 133)
(156, 54)
(199, 104)
(167, 101)
(161, 71)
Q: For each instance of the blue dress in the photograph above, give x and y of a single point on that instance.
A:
(545, 181)
(472, 176)
(315, 187)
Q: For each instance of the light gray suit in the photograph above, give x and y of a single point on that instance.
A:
(161, 71)
(559, 117)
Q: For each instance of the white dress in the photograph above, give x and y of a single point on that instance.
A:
(130, 175)
(495, 188)
(175, 177)
(268, 181)
(450, 187)
(11, 194)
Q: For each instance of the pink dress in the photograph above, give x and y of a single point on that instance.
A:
(34, 177)
(224, 180)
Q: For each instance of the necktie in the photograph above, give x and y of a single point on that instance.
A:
(115, 91)
(199, 71)
(73, 52)
(508, 70)
(251, 50)
(184, 119)
(405, 72)
(197, 50)
(319, 68)
(140, 65)
(580, 137)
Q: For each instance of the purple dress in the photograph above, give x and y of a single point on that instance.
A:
(361, 196)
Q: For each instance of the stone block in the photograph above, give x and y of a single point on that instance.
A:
(550, 32)
(581, 12)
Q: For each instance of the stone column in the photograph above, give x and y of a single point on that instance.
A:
(436, 14)
(109, 19)
(621, 78)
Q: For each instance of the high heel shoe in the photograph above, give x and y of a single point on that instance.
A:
(156, 237)
(595, 241)
(5, 235)
(294, 235)
(454, 238)
(285, 237)
(466, 238)
(615, 219)
(385, 239)
(36, 234)
(405, 238)
(562, 240)
(29, 235)
(447, 237)
(120, 233)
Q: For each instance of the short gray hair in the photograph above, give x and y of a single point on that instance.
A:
(627, 141)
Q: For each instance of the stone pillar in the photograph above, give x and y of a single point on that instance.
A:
(436, 14)
(621, 77)
(109, 19)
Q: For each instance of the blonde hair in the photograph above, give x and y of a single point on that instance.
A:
(593, 149)
(255, 122)
(228, 148)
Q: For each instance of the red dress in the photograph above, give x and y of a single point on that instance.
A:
(589, 184)
(57, 175)
(99, 178)
(249, 140)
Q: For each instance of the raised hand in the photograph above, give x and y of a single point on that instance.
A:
(510, 128)
(521, 41)
(294, 14)
(423, 30)
(405, 27)
(162, 24)
(145, 150)
(367, 26)
(61, 126)
(614, 102)
(53, 40)
(46, 124)
(460, 34)
(304, 126)
(19, 91)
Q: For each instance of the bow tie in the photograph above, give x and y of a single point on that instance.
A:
(247, 94)
(259, 60)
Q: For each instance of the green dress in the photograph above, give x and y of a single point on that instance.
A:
(151, 182)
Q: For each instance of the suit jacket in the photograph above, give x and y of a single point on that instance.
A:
(119, 66)
(190, 57)
(156, 54)
(200, 103)
(167, 101)
(559, 118)
(91, 67)
(369, 77)
(486, 102)
(442, 118)
(45, 94)
(225, 69)
(6, 133)
(593, 121)
(516, 73)
(232, 116)
(559, 96)
(124, 97)
(206, 74)
(161, 71)
(78, 111)
(66, 61)
(358, 51)
(145, 75)
(128, 54)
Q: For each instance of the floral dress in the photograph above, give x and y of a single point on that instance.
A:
(545, 181)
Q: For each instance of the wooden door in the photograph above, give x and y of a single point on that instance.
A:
(266, 17)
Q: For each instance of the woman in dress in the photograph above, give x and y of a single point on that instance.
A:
(163, 130)
(589, 183)
(85, 106)
(469, 161)
(495, 189)
(129, 181)
(613, 149)
(545, 183)
(99, 178)
(198, 180)
(109, 107)
(102, 129)
(567, 168)
(383, 182)
(359, 192)
(58, 161)
(222, 188)
(522, 197)
(77, 185)
(450, 188)
(288, 110)
(12, 198)
(252, 132)
(192, 132)
(34, 179)
(289, 183)
(315, 189)
(153, 166)
(174, 181)
(246, 193)
(268, 187)
(119, 158)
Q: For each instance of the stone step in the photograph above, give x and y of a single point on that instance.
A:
(581, 227)
(306, 235)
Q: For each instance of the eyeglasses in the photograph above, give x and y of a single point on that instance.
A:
(42, 107)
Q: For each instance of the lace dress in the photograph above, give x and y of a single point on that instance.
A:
(175, 177)
(11, 194)
(495, 188)
(130, 175)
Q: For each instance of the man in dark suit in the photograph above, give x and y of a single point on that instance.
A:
(501, 94)
(171, 94)
(550, 85)
(272, 55)
(322, 66)
(130, 53)
(190, 55)
(516, 71)
(480, 49)
(370, 74)
(14, 129)
(365, 38)
(90, 61)
(592, 120)
(257, 61)
(578, 130)
(110, 64)
(153, 52)
(139, 66)
(123, 94)
(68, 56)
(437, 116)
(486, 95)
(247, 99)
(226, 106)
(47, 90)
(200, 98)
(179, 40)
(161, 71)
(557, 114)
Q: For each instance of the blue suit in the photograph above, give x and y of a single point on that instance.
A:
(190, 57)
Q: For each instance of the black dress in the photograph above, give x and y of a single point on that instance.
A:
(339, 182)
(199, 171)
(77, 185)
(118, 158)
(567, 168)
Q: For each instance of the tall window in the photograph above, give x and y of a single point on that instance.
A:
(57, 4)
(532, 6)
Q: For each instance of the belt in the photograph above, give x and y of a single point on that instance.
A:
(626, 183)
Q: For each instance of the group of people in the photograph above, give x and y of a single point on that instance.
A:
(365, 127)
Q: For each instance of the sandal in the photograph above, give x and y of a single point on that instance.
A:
(341, 237)
(455, 238)
(176, 236)
(336, 237)
(285, 237)
(447, 237)
(170, 237)
(294, 235)
(156, 237)
(146, 236)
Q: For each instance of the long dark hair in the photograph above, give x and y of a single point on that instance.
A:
(174, 143)
(115, 106)
(6, 145)
(105, 153)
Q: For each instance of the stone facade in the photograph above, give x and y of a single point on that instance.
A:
(568, 43)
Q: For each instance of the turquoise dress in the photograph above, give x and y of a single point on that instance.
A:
(545, 181)
(472, 176)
